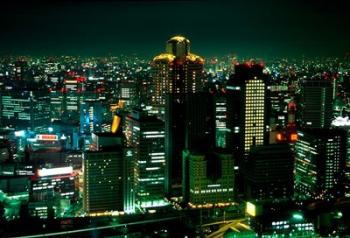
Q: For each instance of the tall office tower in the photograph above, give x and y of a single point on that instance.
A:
(188, 125)
(246, 108)
(247, 114)
(22, 110)
(316, 103)
(73, 86)
(208, 178)
(108, 175)
(268, 172)
(146, 135)
(177, 71)
(319, 163)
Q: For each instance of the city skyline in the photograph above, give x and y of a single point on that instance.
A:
(262, 29)
(165, 118)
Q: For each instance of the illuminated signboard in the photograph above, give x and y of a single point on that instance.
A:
(46, 137)
(55, 171)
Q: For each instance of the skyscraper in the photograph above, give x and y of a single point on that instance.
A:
(246, 113)
(320, 162)
(246, 108)
(177, 71)
(316, 103)
(146, 135)
(108, 176)
(188, 125)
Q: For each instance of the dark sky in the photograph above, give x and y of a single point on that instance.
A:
(249, 28)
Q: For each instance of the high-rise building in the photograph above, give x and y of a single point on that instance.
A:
(177, 71)
(188, 125)
(208, 178)
(246, 108)
(146, 135)
(319, 163)
(200, 121)
(316, 103)
(268, 172)
(108, 175)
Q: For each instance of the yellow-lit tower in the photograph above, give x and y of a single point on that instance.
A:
(177, 71)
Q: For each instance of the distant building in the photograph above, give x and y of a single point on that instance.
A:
(208, 178)
(320, 163)
(27, 109)
(316, 103)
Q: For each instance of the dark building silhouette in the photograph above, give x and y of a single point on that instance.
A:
(188, 125)
(316, 103)
(268, 172)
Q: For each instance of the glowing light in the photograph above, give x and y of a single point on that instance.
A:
(164, 56)
(297, 216)
(50, 129)
(251, 209)
(115, 124)
(55, 171)
(20, 133)
(279, 136)
(341, 121)
(294, 137)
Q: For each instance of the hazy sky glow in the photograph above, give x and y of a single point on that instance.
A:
(248, 28)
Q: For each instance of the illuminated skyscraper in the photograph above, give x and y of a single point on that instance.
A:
(320, 162)
(108, 175)
(316, 103)
(246, 108)
(177, 71)
(246, 113)
(146, 135)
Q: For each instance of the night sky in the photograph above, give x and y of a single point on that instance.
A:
(249, 28)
